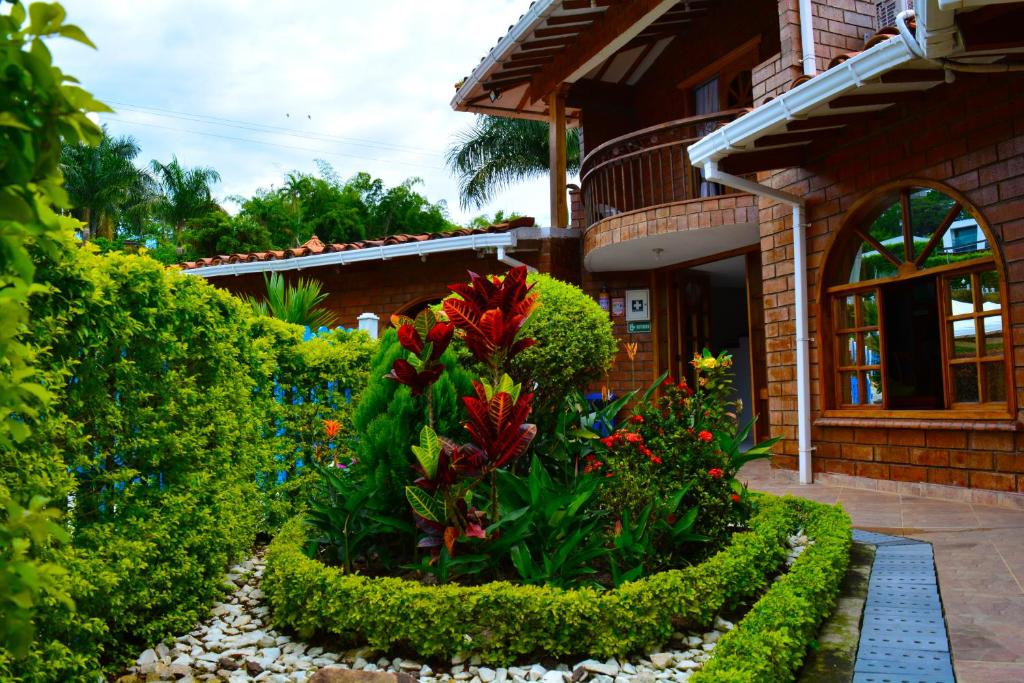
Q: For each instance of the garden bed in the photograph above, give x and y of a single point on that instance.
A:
(502, 622)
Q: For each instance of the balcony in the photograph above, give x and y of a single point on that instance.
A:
(640, 192)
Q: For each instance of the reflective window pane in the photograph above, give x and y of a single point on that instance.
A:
(963, 241)
(965, 383)
(848, 382)
(993, 331)
(869, 309)
(848, 350)
(872, 350)
(965, 342)
(873, 386)
(888, 229)
(989, 286)
(961, 294)
(928, 210)
(845, 312)
(995, 381)
(869, 264)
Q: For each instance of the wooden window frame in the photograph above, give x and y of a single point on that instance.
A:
(855, 229)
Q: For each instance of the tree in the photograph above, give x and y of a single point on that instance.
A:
(185, 194)
(104, 186)
(484, 221)
(496, 152)
(220, 233)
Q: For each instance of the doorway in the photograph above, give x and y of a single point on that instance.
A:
(717, 305)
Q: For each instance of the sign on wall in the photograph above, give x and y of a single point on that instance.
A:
(638, 305)
(618, 306)
(638, 326)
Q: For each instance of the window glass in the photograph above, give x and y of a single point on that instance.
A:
(961, 295)
(995, 381)
(965, 383)
(848, 350)
(849, 388)
(965, 340)
(989, 289)
(870, 264)
(873, 385)
(928, 210)
(992, 328)
(846, 312)
(869, 309)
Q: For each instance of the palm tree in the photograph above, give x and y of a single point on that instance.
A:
(184, 193)
(104, 185)
(300, 304)
(496, 152)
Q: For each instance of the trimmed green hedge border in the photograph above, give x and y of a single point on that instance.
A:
(770, 643)
(501, 621)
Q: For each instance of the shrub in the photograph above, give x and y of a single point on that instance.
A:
(575, 344)
(770, 643)
(501, 621)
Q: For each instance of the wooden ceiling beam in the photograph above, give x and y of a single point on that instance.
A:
(800, 138)
(581, 18)
(873, 99)
(763, 160)
(541, 44)
(618, 25)
(820, 122)
(569, 32)
(584, 4)
(914, 76)
(532, 54)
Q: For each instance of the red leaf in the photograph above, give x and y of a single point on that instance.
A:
(520, 346)
(499, 408)
(492, 326)
(451, 535)
(474, 530)
(440, 336)
(514, 445)
(410, 339)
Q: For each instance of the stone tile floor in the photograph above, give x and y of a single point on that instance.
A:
(979, 556)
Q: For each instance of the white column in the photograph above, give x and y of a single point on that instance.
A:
(370, 324)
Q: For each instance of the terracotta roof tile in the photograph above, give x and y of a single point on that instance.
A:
(316, 246)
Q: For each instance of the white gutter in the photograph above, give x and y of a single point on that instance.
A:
(807, 38)
(515, 263)
(498, 240)
(971, 4)
(538, 13)
(740, 134)
(803, 341)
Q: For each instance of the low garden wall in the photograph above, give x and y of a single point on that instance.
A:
(501, 621)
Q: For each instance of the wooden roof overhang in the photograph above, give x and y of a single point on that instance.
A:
(787, 130)
(558, 42)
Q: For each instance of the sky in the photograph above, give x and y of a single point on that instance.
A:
(258, 89)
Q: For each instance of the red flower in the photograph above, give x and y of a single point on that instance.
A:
(331, 428)
(668, 382)
(637, 419)
(633, 437)
(608, 441)
(656, 460)
(735, 497)
(706, 436)
(716, 473)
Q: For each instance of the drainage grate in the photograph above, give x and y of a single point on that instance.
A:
(903, 634)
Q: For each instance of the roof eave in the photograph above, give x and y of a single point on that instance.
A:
(527, 23)
(739, 135)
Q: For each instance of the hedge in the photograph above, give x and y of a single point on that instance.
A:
(769, 644)
(167, 433)
(502, 622)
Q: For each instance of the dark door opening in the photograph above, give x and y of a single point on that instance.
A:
(913, 351)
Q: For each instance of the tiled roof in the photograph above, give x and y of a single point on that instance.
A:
(315, 246)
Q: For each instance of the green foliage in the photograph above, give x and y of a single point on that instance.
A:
(770, 643)
(39, 107)
(388, 420)
(341, 211)
(220, 233)
(184, 194)
(485, 221)
(299, 304)
(496, 152)
(575, 344)
(501, 621)
(106, 188)
(685, 439)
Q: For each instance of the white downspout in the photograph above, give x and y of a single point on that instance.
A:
(803, 341)
(515, 263)
(807, 38)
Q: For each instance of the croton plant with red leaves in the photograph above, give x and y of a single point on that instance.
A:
(488, 314)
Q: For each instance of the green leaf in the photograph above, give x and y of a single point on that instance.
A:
(423, 504)
(74, 33)
(428, 452)
(11, 121)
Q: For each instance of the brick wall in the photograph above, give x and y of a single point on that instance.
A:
(968, 135)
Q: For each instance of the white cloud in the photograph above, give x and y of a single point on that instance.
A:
(380, 74)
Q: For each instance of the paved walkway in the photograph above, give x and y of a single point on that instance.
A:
(979, 556)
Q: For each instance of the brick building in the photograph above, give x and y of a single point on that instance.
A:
(833, 191)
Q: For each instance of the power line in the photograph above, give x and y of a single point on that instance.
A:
(274, 144)
(261, 127)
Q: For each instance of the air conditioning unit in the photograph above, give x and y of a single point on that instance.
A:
(886, 11)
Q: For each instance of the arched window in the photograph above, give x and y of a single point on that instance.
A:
(915, 308)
